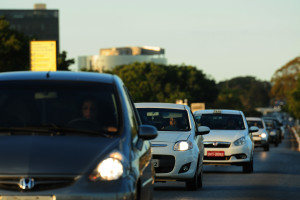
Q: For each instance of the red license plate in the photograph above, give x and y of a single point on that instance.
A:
(215, 153)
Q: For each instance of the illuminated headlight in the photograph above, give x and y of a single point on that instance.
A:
(263, 135)
(183, 146)
(240, 141)
(109, 169)
(272, 133)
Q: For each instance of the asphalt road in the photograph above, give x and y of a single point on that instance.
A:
(276, 176)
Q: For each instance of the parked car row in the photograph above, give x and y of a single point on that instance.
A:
(79, 135)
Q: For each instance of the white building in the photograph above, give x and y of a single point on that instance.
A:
(112, 57)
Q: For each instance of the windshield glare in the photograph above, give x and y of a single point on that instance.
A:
(221, 121)
(165, 119)
(82, 106)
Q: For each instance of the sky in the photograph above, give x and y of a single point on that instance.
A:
(223, 38)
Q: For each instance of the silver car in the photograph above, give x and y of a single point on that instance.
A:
(178, 149)
(261, 137)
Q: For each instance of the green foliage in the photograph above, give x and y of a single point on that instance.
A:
(294, 100)
(63, 63)
(149, 82)
(14, 49)
(286, 86)
(243, 93)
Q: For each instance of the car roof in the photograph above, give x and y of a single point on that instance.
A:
(254, 118)
(220, 111)
(161, 105)
(57, 75)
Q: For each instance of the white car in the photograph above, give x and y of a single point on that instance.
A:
(260, 138)
(178, 149)
(230, 139)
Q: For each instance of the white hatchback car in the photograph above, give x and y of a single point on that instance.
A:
(178, 149)
(260, 138)
(230, 139)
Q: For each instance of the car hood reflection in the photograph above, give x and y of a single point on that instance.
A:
(224, 135)
(171, 136)
(52, 155)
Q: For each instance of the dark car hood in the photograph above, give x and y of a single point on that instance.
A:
(52, 154)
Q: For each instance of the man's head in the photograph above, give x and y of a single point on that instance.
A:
(172, 121)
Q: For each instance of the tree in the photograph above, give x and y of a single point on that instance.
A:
(14, 49)
(285, 81)
(243, 93)
(149, 82)
(63, 63)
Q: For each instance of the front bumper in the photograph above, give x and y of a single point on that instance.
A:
(259, 141)
(171, 163)
(234, 155)
(82, 189)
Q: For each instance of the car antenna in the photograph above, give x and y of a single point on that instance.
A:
(48, 74)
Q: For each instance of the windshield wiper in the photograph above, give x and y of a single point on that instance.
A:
(53, 130)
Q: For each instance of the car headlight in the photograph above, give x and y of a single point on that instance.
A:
(183, 146)
(272, 133)
(240, 141)
(263, 135)
(109, 169)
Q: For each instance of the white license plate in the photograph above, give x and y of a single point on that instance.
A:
(155, 162)
(27, 198)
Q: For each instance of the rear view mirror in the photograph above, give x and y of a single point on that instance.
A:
(253, 129)
(203, 130)
(147, 132)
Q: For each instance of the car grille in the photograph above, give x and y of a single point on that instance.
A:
(217, 158)
(166, 163)
(40, 183)
(217, 144)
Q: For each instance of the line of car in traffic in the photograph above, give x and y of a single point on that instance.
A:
(79, 135)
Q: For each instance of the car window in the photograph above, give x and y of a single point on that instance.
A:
(256, 123)
(84, 105)
(221, 121)
(165, 119)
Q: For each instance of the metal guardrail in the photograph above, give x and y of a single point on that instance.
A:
(296, 136)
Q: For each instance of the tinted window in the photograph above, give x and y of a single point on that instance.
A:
(269, 123)
(165, 119)
(258, 124)
(59, 104)
(221, 121)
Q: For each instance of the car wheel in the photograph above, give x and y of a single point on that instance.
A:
(276, 143)
(193, 183)
(200, 179)
(248, 167)
(267, 147)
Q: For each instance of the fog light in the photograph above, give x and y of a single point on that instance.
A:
(185, 168)
(241, 156)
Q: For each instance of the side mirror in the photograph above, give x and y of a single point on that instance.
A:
(202, 130)
(253, 129)
(147, 132)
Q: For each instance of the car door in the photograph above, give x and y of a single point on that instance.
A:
(142, 155)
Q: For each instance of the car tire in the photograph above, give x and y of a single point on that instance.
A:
(267, 147)
(276, 143)
(200, 179)
(193, 183)
(248, 167)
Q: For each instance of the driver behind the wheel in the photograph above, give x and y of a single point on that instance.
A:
(89, 109)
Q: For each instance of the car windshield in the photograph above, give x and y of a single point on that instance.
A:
(63, 105)
(221, 121)
(269, 124)
(257, 123)
(165, 119)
